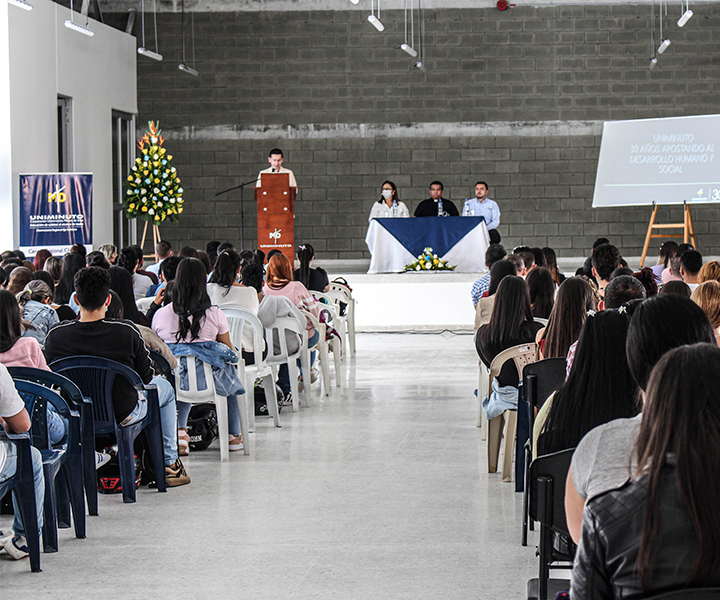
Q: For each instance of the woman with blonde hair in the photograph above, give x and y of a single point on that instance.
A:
(707, 297)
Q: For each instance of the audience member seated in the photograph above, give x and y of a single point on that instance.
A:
(162, 251)
(677, 288)
(96, 259)
(40, 257)
(551, 262)
(224, 290)
(707, 297)
(511, 324)
(141, 262)
(279, 283)
(121, 283)
(484, 308)
(53, 266)
(621, 271)
(709, 271)
(90, 335)
(667, 252)
(574, 299)
(621, 290)
(646, 277)
(39, 316)
(539, 257)
(205, 260)
(15, 419)
(15, 349)
(605, 259)
(212, 250)
(690, 265)
(71, 264)
(128, 260)
(389, 205)
(19, 278)
(660, 532)
(601, 461)
(542, 292)
(190, 252)
(494, 253)
(191, 326)
(519, 263)
(672, 272)
(598, 389)
(162, 292)
(314, 279)
(586, 269)
(528, 259)
(110, 252)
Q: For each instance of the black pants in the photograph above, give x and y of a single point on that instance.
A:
(494, 236)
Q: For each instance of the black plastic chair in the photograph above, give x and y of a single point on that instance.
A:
(689, 594)
(95, 377)
(540, 380)
(66, 456)
(73, 396)
(548, 474)
(23, 485)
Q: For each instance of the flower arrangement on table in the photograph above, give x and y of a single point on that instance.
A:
(428, 261)
(153, 190)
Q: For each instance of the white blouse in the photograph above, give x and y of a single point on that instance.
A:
(381, 210)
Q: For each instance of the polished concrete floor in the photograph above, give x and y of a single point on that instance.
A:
(380, 491)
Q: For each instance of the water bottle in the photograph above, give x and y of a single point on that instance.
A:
(441, 212)
(394, 208)
(466, 208)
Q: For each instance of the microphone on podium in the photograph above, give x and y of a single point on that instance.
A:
(273, 170)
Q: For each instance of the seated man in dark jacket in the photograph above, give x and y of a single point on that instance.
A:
(118, 340)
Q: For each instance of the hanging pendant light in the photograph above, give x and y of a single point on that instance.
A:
(375, 20)
(71, 24)
(142, 49)
(405, 47)
(182, 66)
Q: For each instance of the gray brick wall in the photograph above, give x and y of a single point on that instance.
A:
(559, 63)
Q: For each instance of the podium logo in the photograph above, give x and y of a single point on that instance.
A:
(275, 235)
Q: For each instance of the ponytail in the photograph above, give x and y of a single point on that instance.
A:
(305, 254)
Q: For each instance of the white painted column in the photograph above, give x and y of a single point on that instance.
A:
(6, 204)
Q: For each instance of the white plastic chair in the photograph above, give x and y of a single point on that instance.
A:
(521, 355)
(239, 318)
(144, 303)
(341, 323)
(334, 344)
(349, 312)
(278, 329)
(209, 395)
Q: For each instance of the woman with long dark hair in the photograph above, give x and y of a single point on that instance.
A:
(121, 282)
(388, 205)
(551, 261)
(575, 298)
(600, 387)
(668, 250)
(484, 308)
(72, 262)
(511, 323)
(661, 531)
(40, 257)
(191, 319)
(312, 278)
(542, 292)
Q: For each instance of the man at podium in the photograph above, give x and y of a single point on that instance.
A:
(275, 158)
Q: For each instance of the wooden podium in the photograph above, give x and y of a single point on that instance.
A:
(276, 214)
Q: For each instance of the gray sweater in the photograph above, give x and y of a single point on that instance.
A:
(274, 307)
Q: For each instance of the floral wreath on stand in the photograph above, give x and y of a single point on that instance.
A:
(153, 191)
(428, 261)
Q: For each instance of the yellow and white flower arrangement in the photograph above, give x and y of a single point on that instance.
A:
(428, 261)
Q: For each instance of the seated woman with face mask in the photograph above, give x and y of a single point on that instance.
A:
(388, 205)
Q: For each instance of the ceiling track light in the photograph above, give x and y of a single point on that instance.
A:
(409, 49)
(653, 62)
(21, 4)
(149, 53)
(183, 66)
(419, 64)
(664, 46)
(84, 29)
(377, 23)
(188, 70)
(685, 18)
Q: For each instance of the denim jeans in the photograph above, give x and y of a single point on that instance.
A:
(8, 471)
(283, 380)
(56, 426)
(183, 409)
(168, 417)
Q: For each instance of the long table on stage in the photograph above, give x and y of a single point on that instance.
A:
(394, 243)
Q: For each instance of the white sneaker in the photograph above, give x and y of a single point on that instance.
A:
(16, 547)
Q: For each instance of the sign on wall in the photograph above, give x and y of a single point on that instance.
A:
(55, 212)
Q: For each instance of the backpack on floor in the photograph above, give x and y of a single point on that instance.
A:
(202, 426)
(261, 409)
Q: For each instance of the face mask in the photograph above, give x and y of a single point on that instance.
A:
(387, 194)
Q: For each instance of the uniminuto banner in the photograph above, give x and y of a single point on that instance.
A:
(55, 212)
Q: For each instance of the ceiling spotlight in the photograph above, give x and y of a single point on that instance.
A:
(419, 64)
(664, 46)
(377, 23)
(150, 54)
(188, 70)
(653, 62)
(84, 29)
(21, 4)
(409, 49)
(685, 18)
(355, 1)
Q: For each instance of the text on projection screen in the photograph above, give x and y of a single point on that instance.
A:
(666, 161)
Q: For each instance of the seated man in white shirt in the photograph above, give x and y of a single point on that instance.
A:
(482, 206)
(275, 158)
(162, 251)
